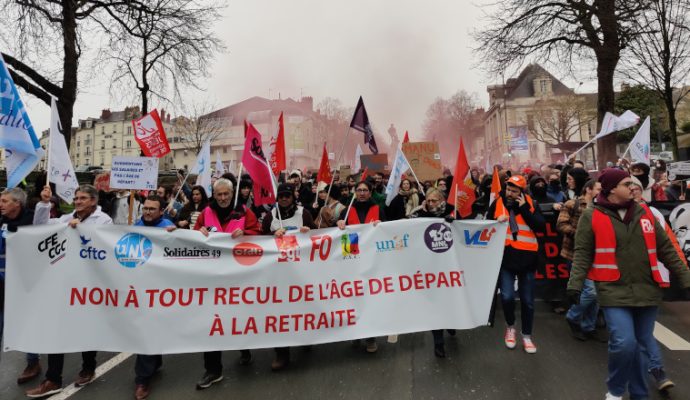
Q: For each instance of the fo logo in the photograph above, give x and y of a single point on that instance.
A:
(247, 253)
(349, 243)
(480, 238)
(133, 250)
(438, 237)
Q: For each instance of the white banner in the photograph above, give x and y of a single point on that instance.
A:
(144, 290)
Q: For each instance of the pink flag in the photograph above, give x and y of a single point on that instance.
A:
(254, 161)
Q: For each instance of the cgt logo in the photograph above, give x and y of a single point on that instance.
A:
(247, 253)
(288, 248)
(89, 252)
(349, 244)
(54, 246)
(133, 250)
(479, 238)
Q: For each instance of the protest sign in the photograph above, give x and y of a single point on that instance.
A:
(148, 291)
(424, 159)
(374, 162)
(139, 173)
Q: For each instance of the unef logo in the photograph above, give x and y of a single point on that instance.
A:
(397, 243)
(322, 245)
(479, 238)
(133, 250)
(89, 252)
(349, 243)
(288, 248)
(54, 246)
(438, 237)
(247, 254)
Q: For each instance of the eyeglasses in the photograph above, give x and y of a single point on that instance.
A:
(150, 209)
(362, 190)
(432, 201)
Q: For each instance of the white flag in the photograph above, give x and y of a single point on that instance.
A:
(612, 123)
(639, 146)
(399, 167)
(358, 160)
(61, 171)
(202, 167)
(220, 168)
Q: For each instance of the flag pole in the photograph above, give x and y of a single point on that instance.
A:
(275, 192)
(347, 213)
(237, 189)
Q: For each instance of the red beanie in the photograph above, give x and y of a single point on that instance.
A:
(610, 178)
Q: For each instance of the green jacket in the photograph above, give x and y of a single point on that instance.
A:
(379, 199)
(636, 286)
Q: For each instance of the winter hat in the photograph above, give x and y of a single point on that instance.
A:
(610, 178)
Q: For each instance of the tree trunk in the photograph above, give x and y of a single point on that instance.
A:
(70, 68)
(672, 122)
(606, 146)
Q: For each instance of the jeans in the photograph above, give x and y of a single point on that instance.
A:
(586, 312)
(57, 361)
(630, 328)
(145, 367)
(526, 292)
(653, 352)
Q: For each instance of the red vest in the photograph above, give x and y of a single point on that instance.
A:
(604, 267)
(372, 215)
(526, 239)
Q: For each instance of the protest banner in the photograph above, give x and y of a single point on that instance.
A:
(374, 162)
(139, 173)
(147, 291)
(424, 159)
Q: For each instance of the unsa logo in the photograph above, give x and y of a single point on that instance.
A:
(479, 238)
(247, 253)
(438, 237)
(349, 243)
(133, 250)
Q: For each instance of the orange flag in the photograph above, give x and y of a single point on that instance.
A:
(406, 138)
(461, 193)
(364, 174)
(495, 187)
(324, 174)
(277, 145)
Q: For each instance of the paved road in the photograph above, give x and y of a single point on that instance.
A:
(477, 367)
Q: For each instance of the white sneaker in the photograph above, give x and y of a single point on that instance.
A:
(609, 396)
(528, 345)
(509, 338)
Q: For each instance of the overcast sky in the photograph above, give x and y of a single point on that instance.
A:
(398, 54)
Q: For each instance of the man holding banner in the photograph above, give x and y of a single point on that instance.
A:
(86, 211)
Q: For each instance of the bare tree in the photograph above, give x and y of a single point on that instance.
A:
(558, 119)
(561, 31)
(198, 127)
(449, 119)
(660, 56)
(162, 47)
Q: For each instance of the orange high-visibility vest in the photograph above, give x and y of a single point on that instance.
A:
(372, 215)
(526, 239)
(604, 267)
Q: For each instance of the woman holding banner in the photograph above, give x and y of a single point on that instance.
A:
(435, 206)
(363, 210)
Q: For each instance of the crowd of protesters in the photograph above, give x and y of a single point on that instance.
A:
(619, 249)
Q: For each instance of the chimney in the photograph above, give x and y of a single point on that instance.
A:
(162, 114)
(308, 102)
(105, 113)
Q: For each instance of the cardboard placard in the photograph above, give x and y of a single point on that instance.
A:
(425, 159)
(140, 173)
(374, 162)
(345, 171)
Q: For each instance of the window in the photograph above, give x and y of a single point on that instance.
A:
(129, 130)
(129, 144)
(102, 144)
(533, 150)
(530, 122)
(78, 142)
(544, 86)
(103, 129)
(86, 161)
(114, 143)
(225, 149)
(88, 151)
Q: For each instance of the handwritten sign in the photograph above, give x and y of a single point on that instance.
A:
(139, 173)
(424, 159)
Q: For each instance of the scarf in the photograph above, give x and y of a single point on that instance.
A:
(411, 200)
(628, 205)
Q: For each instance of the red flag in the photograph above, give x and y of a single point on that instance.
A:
(461, 193)
(149, 133)
(495, 187)
(406, 139)
(254, 162)
(277, 161)
(324, 174)
(364, 174)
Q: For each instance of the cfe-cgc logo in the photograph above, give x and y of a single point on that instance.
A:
(396, 243)
(349, 243)
(288, 248)
(54, 246)
(133, 250)
(480, 238)
(438, 237)
(247, 253)
(88, 252)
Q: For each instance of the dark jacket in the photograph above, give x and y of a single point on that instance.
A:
(636, 286)
(25, 217)
(521, 260)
